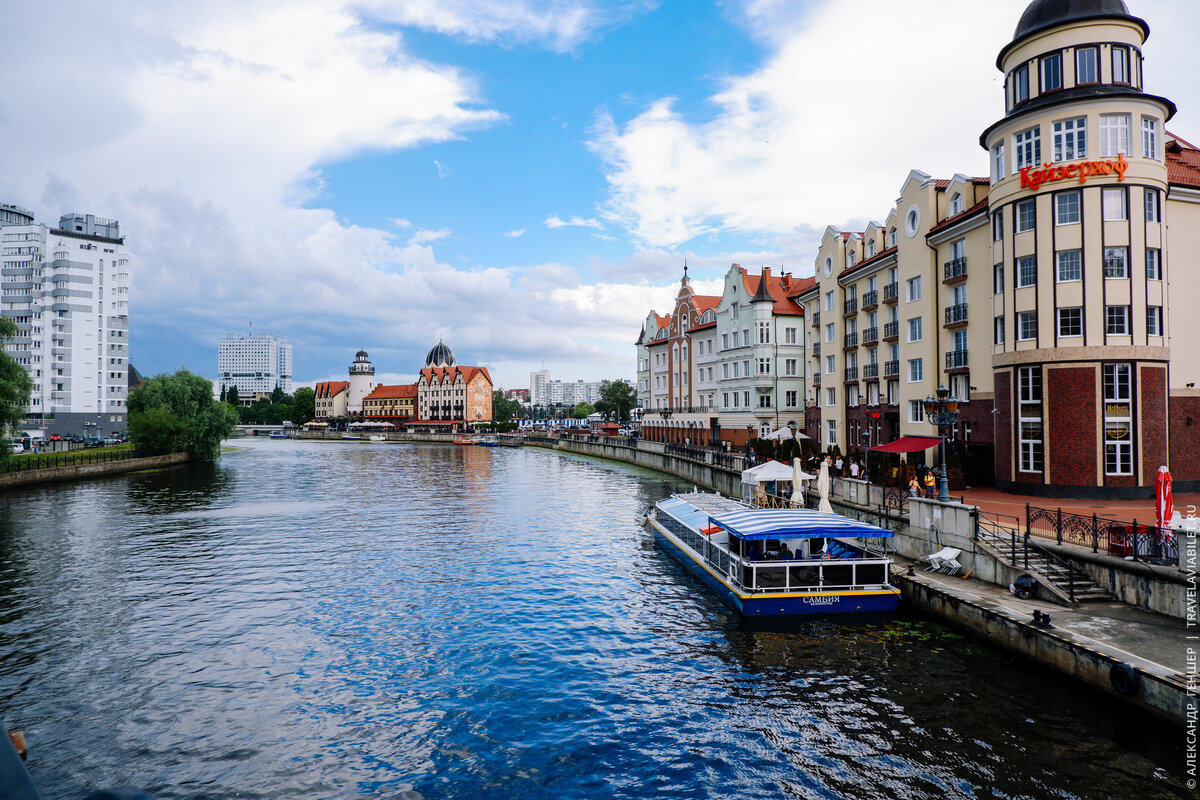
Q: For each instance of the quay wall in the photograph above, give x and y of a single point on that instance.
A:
(36, 477)
(1141, 684)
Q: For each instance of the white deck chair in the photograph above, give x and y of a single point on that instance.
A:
(937, 561)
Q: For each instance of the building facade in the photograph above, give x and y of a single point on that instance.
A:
(391, 404)
(449, 395)
(67, 290)
(256, 365)
(331, 399)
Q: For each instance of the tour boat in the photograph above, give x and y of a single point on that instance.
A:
(488, 441)
(776, 561)
(378, 437)
(277, 435)
(462, 438)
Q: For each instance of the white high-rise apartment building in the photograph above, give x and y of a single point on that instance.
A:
(67, 290)
(539, 387)
(255, 365)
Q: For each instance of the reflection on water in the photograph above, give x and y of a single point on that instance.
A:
(338, 620)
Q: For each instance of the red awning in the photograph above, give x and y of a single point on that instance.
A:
(909, 444)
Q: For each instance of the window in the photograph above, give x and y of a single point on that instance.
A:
(789, 399)
(1029, 394)
(956, 204)
(872, 394)
(725, 371)
(1068, 266)
(1112, 203)
(830, 364)
(1070, 139)
(1026, 325)
(998, 279)
(790, 366)
(1153, 264)
(746, 337)
(1118, 443)
(914, 329)
(789, 335)
(764, 366)
(1149, 138)
(1151, 202)
(1154, 321)
(764, 401)
(1028, 147)
(1066, 208)
(1051, 72)
(1115, 265)
(851, 257)
(764, 333)
(831, 396)
(829, 301)
(892, 238)
(1021, 85)
(1026, 216)
(1120, 64)
(724, 341)
(1114, 135)
(916, 370)
(737, 370)
(1085, 65)
(1116, 320)
(997, 162)
(1026, 271)
(871, 248)
(830, 331)
(831, 431)
(1070, 322)
(913, 288)
(997, 224)
(734, 313)
(998, 330)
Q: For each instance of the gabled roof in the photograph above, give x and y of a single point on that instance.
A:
(443, 374)
(1183, 164)
(382, 392)
(882, 254)
(327, 389)
(951, 221)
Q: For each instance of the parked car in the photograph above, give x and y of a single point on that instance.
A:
(18, 447)
(94, 442)
(56, 437)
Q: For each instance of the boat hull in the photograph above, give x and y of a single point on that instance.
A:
(781, 604)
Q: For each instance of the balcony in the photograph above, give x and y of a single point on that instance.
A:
(817, 349)
(891, 369)
(851, 374)
(870, 299)
(870, 372)
(851, 340)
(870, 336)
(956, 359)
(956, 315)
(955, 270)
(816, 319)
(816, 379)
(850, 307)
(891, 331)
(891, 292)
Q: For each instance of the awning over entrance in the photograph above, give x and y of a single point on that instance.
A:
(909, 444)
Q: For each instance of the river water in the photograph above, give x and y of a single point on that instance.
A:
(343, 620)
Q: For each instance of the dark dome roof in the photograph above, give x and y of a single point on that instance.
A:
(361, 354)
(440, 356)
(1046, 13)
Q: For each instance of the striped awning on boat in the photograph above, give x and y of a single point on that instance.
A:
(782, 523)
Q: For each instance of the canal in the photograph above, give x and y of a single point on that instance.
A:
(345, 620)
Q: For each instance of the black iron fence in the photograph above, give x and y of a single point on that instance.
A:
(28, 463)
(1138, 542)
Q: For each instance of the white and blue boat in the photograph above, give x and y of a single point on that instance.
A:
(767, 562)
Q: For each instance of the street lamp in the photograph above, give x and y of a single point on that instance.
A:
(942, 411)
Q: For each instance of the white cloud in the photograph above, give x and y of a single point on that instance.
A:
(515, 234)
(553, 221)
(442, 170)
(425, 237)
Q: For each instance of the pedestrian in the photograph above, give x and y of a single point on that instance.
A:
(930, 483)
(838, 466)
(914, 488)
(751, 458)
(853, 468)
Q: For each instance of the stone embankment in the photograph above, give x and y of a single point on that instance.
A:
(75, 472)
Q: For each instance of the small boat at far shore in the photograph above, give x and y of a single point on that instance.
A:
(776, 562)
(351, 437)
(488, 441)
(462, 439)
(277, 435)
(378, 437)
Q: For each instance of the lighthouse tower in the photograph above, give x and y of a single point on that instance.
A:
(362, 381)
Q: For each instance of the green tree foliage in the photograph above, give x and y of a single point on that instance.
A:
(15, 387)
(504, 409)
(231, 396)
(581, 411)
(304, 406)
(177, 413)
(617, 399)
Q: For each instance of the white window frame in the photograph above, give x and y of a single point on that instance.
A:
(1092, 63)
(916, 411)
(1150, 138)
(916, 370)
(1026, 216)
(914, 327)
(1116, 262)
(912, 289)
(1116, 321)
(1070, 139)
(1027, 146)
(1022, 273)
(1072, 316)
(1026, 326)
(1065, 260)
(1154, 321)
(1067, 208)
(1114, 204)
(1115, 135)
(1153, 264)
(1031, 452)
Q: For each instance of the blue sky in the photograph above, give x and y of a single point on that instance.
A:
(523, 178)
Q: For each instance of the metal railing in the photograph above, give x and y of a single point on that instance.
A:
(956, 314)
(870, 371)
(816, 348)
(29, 463)
(851, 340)
(956, 268)
(956, 359)
(850, 306)
(1117, 538)
(870, 335)
(851, 373)
(816, 319)
(891, 291)
(870, 299)
(891, 330)
(891, 368)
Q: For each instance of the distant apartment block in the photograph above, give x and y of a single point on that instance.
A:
(67, 290)
(255, 365)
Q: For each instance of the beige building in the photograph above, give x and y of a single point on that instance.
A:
(1041, 296)
(330, 400)
(450, 396)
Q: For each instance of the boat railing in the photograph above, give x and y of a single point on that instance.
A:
(849, 572)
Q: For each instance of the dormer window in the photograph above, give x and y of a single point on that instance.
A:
(871, 248)
(1051, 73)
(1086, 67)
(892, 238)
(956, 204)
(850, 258)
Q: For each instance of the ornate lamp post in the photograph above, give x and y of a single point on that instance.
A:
(942, 411)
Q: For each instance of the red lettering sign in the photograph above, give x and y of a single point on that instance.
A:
(1032, 178)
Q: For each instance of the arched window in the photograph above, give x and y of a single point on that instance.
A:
(956, 204)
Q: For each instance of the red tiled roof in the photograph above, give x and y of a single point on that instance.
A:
(1183, 164)
(382, 392)
(705, 302)
(442, 373)
(331, 388)
(781, 297)
(871, 260)
(970, 212)
(705, 326)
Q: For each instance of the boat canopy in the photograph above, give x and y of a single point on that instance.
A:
(778, 523)
(769, 471)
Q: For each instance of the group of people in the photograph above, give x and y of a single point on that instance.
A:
(784, 553)
(926, 479)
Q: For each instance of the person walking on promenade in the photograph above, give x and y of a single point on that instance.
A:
(930, 484)
(914, 488)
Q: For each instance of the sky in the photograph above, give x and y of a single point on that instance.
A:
(523, 179)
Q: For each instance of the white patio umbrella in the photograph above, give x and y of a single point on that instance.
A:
(798, 478)
(823, 488)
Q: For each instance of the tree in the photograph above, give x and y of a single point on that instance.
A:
(15, 387)
(504, 409)
(176, 413)
(581, 411)
(232, 397)
(277, 395)
(617, 399)
(304, 405)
